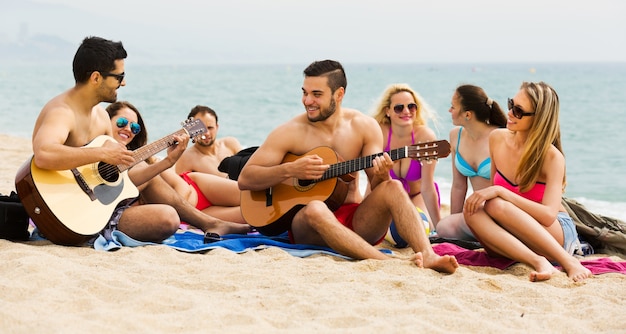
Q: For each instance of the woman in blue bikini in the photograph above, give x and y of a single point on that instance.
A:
(474, 115)
(402, 115)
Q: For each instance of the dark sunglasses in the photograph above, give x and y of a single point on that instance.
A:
(399, 108)
(119, 77)
(517, 111)
(121, 122)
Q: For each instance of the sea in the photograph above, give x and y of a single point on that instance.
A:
(252, 99)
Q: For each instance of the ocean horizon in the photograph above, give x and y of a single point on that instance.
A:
(252, 99)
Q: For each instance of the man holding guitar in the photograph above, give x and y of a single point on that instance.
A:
(357, 224)
(66, 138)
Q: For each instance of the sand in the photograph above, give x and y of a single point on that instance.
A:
(45, 288)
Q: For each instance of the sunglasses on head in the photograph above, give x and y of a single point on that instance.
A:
(517, 111)
(119, 77)
(399, 108)
(121, 122)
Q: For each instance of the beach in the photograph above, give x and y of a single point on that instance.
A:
(46, 288)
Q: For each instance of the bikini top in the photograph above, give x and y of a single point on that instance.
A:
(535, 194)
(484, 169)
(414, 172)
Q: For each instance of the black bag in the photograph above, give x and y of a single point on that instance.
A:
(234, 164)
(13, 218)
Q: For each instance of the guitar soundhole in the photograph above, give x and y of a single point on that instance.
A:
(108, 172)
(304, 183)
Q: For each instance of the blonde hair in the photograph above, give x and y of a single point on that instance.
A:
(544, 132)
(422, 115)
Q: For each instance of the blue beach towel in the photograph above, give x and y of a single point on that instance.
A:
(192, 242)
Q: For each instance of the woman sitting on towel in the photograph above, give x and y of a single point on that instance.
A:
(520, 215)
(215, 198)
(474, 115)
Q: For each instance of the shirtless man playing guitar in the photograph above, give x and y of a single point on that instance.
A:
(68, 123)
(358, 223)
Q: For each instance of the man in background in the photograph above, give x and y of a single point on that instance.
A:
(208, 151)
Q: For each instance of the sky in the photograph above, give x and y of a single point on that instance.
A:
(358, 31)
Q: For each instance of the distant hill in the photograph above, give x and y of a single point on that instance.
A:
(37, 49)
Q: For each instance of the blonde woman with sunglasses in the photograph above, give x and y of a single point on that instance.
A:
(402, 116)
(520, 216)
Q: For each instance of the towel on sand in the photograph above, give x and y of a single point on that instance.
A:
(480, 258)
(192, 242)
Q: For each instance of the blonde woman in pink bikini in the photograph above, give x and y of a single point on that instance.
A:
(402, 115)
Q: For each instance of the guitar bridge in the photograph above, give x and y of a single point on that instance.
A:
(83, 184)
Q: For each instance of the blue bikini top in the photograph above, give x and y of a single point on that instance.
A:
(484, 169)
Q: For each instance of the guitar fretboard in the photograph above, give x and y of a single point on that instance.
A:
(153, 148)
(350, 166)
(426, 151)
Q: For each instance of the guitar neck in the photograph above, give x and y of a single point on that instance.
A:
(350, 166)
(151, 149)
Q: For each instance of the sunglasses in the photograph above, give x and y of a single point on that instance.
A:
(399, 108)
(121, 122)
(517, 111)
(119, 77)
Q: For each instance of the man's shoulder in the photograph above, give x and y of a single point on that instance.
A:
(299, 122)
(358, 118)
(351, 112)
(57, 104)
(230, 142)
(191, 152)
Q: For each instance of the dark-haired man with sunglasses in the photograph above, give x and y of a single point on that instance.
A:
(74, 119)
(68, 123)
(357, 224)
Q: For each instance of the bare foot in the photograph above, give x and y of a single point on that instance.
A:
(542, 272)
(223, 227)
(576, 271)
(443, 264)
(418, 259)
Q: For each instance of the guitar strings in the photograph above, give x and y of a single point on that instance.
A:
(140, 154)
(347, 167)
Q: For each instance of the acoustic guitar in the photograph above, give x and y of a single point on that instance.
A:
(271, 211)
(69, 207)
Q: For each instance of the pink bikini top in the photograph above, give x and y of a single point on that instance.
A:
(414, 172)
(535, 194)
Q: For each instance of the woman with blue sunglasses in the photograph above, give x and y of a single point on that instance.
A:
(158, 183)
